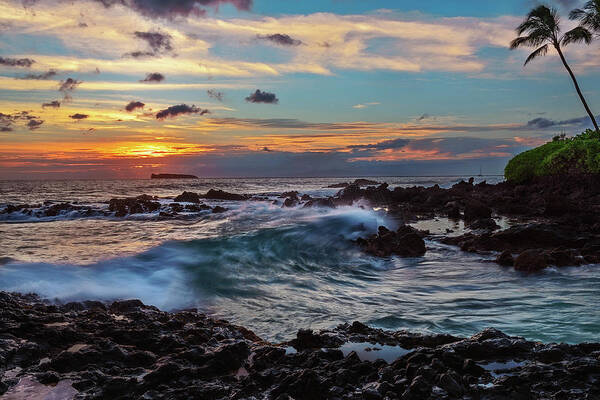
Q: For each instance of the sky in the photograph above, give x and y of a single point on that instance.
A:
(117, 89)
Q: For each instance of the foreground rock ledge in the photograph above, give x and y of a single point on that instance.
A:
(127, 350)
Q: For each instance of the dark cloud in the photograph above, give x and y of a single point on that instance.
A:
(53, 104)
(34, 124)
(213, 94)
(280, 39)
(157, 41)
(78, 116)
(174, 8)
(154, 77)
(290, 123)
(42, 76)
(174, 111)
(16, 62)
(544, 123)
(574, 125)
(133, 105)
(67, 87)
(8, 121)
(268, 150)
(262, 97)
(384, 145)
(140, 54)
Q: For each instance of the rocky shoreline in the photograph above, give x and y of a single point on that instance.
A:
(554, 221)
(127, 350)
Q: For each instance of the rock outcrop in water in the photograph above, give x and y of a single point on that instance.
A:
(405, 242)
(133, 205)
(555, 220)
(127, 350)
(222, 195)
(357, 182)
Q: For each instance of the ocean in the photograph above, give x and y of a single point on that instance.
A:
(275, 270)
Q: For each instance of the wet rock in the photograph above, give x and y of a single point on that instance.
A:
(360, 182)
(176, 207)
(517, 238)
(505, 259)
(126, 306)
(476, 210)
(218, 210)
(453, 211)
(130, 350)
(213, 194)
(325, 203)
(56, 209)
(196, 207)
(450, 383)
(487, 224)
(532, 260)
(292, 194)
(419, 389)
(406, 242)
(133, 205)
(188, 197)
(290, 202)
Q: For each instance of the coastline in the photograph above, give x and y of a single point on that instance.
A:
(126, 349)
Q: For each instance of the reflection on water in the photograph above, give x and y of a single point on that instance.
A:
(371, 352)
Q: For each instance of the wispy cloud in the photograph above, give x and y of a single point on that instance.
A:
(365, 105)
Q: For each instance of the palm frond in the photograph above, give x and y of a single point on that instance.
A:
(577, 13)
(542, 51)
(577, 35)
(588, 16)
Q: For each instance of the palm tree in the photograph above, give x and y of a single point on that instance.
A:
(588, 16)
(542, 29)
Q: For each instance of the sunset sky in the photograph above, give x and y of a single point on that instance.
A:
(125, 88)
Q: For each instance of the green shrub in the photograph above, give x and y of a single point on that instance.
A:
(578, 155)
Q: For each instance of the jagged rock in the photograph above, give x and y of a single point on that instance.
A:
(487, 224)
(406, 242)
(505, 258)
(188, 197)
(133, 205)
(213, 194)
(130, 350)
(326, 203)
(476, 210)
(532, 260)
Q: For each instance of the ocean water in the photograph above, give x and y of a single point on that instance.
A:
(276, 270)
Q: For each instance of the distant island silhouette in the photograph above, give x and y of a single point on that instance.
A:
(172, 176)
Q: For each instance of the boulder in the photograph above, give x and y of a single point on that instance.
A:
(290, 202)
(406, 242)
(475, 209)
(505, 259)
(487, 224)
(188, 197)
(133, 205)
(213, 194)
(328, 202)
(532, 260)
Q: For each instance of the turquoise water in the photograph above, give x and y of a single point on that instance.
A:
(276, 270)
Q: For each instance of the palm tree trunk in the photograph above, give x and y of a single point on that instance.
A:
(587, 108)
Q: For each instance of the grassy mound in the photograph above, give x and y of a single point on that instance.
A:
(561, 156)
